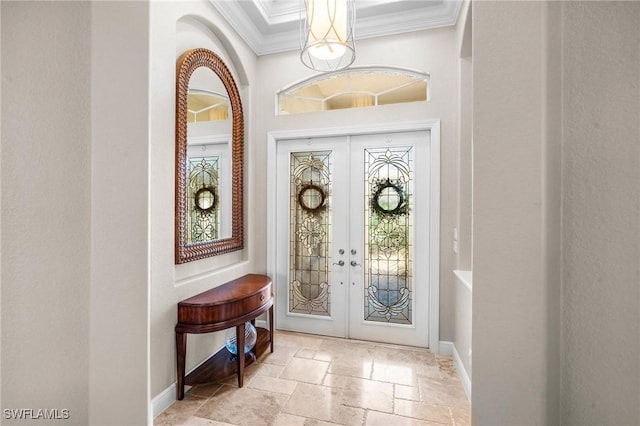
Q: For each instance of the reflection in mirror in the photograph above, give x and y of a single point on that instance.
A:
(209, 158)
(204, 105)
(205, 199)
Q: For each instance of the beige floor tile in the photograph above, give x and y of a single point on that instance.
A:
(243, 406)
(291, 420)
(427, 370)
(272, 384)
(369, 394)
(422, 411)
(180, 411)
(297, 340)
(447, 366)
(321, 355)
(270, 370)
(375, 418)
(355, 359)
(398, 355)
(305, 353)
(352, 367)
(205, 390)
(249, 372)
(403, 374)
(412, 393)
(199, 421)
(342, 390)
(461, 416)
(322, 403)
(305, 370)
(344, 349)
(280, 356)
(445, 392)
(335, 381)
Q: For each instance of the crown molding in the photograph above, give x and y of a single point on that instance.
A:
(445, 14)
(269, 28)
(240, 22)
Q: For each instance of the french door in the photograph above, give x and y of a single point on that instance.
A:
(352, 229)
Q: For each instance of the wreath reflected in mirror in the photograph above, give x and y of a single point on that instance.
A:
(206, 199)
(389, 198)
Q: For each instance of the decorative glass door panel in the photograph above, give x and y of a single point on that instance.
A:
(388, 181)
(310, 246)
(352, 226)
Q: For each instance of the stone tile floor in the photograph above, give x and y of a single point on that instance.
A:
(314, 380)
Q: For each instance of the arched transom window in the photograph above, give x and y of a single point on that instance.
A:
(354, 88)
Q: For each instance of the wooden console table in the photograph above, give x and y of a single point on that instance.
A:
(229, 305)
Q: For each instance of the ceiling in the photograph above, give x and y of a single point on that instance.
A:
(272, 26)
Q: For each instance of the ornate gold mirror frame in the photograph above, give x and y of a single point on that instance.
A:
(186, 251)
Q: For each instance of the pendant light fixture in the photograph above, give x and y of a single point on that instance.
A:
(327, 34)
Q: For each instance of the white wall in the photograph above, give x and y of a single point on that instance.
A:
(119, 302)
(1, 214)
(174, 29)
(515, 353)
(462, 290)
(75, 218)
(556, 213)
(601, 213)
(46, 199)
(79, 95)
(462, 306)
(433, 51)
(464, 149)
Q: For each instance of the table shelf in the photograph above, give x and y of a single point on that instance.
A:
(223, 365)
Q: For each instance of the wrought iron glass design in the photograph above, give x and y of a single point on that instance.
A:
(388, 289)
(310, 244)
(203, 218)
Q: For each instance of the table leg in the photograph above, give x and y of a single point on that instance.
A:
(181, 349)
(271, 327)
(240, 330)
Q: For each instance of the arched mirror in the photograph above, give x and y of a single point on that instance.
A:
(209, 158)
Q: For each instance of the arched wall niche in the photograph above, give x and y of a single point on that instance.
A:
(194, 31)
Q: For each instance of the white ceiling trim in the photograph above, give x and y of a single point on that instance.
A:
(268, 27)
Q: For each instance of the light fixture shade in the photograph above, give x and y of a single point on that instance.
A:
(327, 34)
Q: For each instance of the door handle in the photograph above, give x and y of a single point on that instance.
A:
(339, 263)
(354, 263)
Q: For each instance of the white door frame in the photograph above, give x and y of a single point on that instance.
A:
(432, 126)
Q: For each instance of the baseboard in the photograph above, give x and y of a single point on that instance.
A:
(448, 348)
(164, 399)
